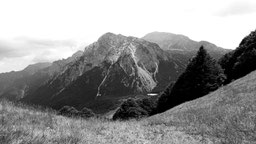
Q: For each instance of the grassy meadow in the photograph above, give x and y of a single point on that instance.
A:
(20, 124)
(225, 116)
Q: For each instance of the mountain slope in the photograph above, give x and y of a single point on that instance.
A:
(13, 84)
(113, 67)
(225, 116)
(17, 85)
(180, 44)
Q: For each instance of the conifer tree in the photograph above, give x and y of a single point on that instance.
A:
(202, 75)
(162, 100)
(241, 61)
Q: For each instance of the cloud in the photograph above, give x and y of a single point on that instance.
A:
(38, 43)
(238, 8)
(17, 53)
(9, 50)
(23, 46)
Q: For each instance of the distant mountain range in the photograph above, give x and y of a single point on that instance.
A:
(112, 68)
(177, 42)
(182, 47)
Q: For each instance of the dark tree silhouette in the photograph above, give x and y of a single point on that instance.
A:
(148, 104)
(241, 61)
(73, 112)
(202, 75)
(162, 101)
(68, 111)
(129, 109)
(86, 113)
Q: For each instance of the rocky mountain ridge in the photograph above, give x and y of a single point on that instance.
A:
(18, 84)
(110, 69)
(114, 66)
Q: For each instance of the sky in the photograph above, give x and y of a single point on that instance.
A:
(34, 31)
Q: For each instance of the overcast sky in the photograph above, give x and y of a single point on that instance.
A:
(45, 30)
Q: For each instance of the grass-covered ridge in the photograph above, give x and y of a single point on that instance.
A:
(20, 124)
(227, 115)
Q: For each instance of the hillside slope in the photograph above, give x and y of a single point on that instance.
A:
(227, 115)
(21, 124)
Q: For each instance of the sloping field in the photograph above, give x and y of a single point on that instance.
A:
(227, 115)
(21, 124)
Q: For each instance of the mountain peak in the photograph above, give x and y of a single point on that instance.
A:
(163, 35)
(110, 36)
(172, 42)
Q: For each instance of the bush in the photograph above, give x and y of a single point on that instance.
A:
(68, 111)
(129, 109)
(86, 113)
(72, 112)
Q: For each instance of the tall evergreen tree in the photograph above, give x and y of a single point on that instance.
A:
(202, 75)
(162, 100)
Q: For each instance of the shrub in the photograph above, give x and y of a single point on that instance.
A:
(68, 111)
(149, 104)
(72, 112)
(129, 109)
(86, 113)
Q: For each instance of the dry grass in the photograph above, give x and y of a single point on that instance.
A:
(226, 116)
(26, 125)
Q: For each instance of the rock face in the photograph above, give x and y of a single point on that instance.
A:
(113, 67)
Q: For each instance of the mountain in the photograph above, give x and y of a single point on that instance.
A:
(183, 45)
(113, 67)
(10, 82)
(31, 69)
(17, 85)
(226, 115)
